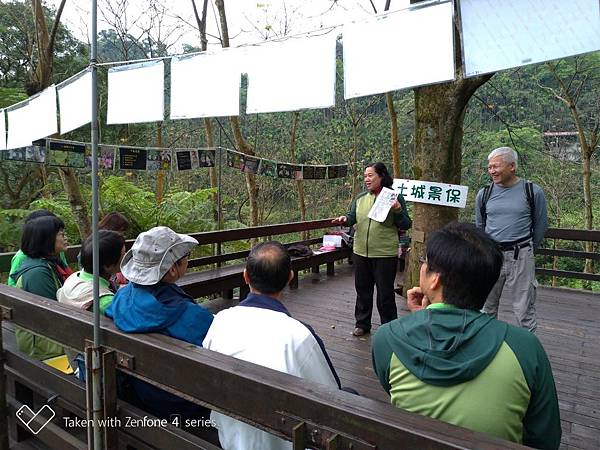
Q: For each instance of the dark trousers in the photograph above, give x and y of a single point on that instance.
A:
(371, 272)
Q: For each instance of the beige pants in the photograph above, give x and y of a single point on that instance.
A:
(517, 282)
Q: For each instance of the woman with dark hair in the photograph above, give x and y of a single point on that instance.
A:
(41, 273)
(375, 249)
(114, 221)
(19, 257)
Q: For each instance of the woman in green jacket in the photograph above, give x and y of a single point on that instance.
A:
(375, 249)
(19, 257)
(41, 273)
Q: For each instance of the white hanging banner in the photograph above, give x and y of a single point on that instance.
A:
(136, 93)
(2, 130)
(408, 48)
(19, 131)
(294, 74)
(43, 110)
(206, 85)
(440, 194)
(35, 119)
(75, 101)
(512, 33)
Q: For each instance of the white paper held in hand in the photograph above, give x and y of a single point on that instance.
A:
(380, 209)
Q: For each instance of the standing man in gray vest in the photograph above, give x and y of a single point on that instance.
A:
(513, 212)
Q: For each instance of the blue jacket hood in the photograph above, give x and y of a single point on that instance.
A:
(162, 308)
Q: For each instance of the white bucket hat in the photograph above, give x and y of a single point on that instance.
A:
(153, 253)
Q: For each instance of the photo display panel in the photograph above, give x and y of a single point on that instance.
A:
(298, 73)
(500, 35)
(408, 48)
(206, 85)
(136, 93)
(75, 102)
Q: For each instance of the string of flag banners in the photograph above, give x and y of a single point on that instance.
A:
(78, 155)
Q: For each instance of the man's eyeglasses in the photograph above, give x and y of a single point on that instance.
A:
(423, 259)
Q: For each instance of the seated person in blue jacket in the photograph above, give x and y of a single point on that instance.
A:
(152, 303)
(262, 331)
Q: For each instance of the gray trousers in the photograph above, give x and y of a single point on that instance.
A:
(517, 280)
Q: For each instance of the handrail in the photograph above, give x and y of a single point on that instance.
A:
(336, 416)
(212, 237)
(208, 237)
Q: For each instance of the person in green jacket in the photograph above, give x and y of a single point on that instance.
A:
(41, 273)
(375, 249)
(77, 290)
(449, 361)
(19, 257)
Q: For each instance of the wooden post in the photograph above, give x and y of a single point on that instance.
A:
(3, 407)
(109, 396)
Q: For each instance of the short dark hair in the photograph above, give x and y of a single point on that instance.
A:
(114, 221)
(110, 244)
(39, 213)
(39, 236)
(268, 267)
(381, 170)
(468, 261)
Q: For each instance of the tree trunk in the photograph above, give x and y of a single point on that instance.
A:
(76, 201)
(208, 128)
(160, 175)
(389, 99)
(251, 186)
(42, 76)
(586, 155)
(301, 202)
(212, 171)
(439, 115)
(355, 172)
(39, 81)
(554, 245)
(242, 145)
(588, 216)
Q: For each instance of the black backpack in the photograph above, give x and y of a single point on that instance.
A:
(487, 192)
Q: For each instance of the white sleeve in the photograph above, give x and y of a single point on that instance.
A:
(312, 365)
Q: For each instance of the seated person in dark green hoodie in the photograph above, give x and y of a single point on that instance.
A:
(448, 361)
(19, 257)
(152, 303)
(41, 273)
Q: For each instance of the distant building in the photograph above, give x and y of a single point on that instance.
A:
(564, 145)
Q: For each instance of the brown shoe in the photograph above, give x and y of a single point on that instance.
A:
(358, 331)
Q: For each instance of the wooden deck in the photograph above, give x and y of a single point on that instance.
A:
(568, 326)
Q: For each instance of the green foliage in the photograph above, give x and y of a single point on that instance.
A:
(183, 211)
(59, 205)
(10, 96)
(10, 228)
(18, 52)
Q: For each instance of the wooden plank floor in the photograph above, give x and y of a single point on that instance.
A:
(568, 326)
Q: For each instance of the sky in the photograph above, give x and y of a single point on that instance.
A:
(248, 21)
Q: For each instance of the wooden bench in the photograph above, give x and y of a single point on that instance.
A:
(225, 279)
(308, 414)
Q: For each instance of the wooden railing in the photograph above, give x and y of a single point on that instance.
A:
(308, 414)
(218, 237)
(565, 234)
(213, 237)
